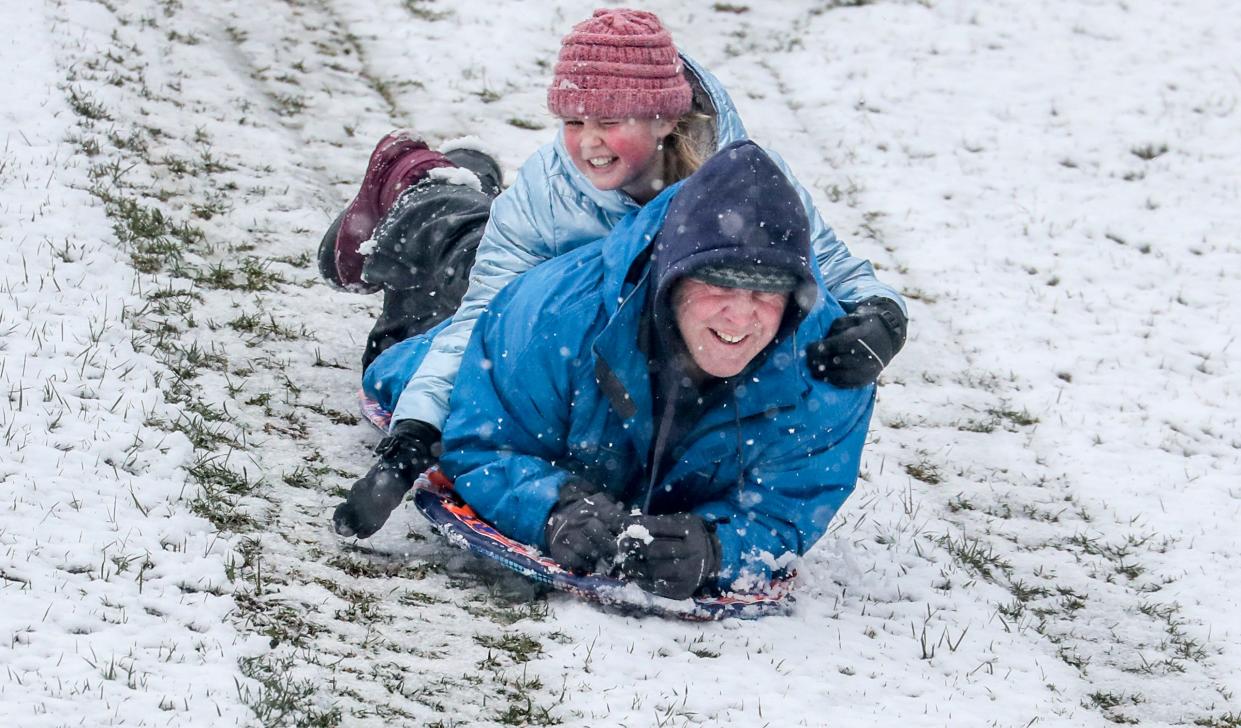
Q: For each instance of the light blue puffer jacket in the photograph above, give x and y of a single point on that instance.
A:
(552, 209)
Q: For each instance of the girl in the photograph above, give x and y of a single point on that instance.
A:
(637, 116)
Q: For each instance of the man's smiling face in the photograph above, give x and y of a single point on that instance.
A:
(725, 328)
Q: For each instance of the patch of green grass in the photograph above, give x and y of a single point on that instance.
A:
(698, 648)
(412, 598)
(508, 614)
(1104, 700)
(526, 713)
(289, 104)
(222, 512)
(973, 553)
(327, 363)
(86, 106)
(282, 699)
(372, 569)
(169, 300)
(1012, 610)
(202, 433)
(1025, 592)
(1108, 702)
(1071, 658)
(275, 619)
(214, 472)
(301, 260)
(336, 417)
(1034, 513)
(260, 328)
(1021, 419)
(924, 470)
(1147, 152)
(252, 275)
(960, 503)
(488, 95)
(999, 510)
(156, 241)
(176, 165)
(1112, 551)
(300, 477)
(360, 606)
(134, 142)
(980, 426)
(187, 362)
(518, 646)
(419, 9)
(522, 123)
(1070, 601)
(209, 208)
(209, 164)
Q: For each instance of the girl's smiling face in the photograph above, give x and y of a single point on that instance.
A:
(619, 154)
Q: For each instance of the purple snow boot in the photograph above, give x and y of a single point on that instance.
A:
(399, 161)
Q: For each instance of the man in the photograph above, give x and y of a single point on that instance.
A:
(644, 405)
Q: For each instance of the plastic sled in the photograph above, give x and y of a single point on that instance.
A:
(457, 522)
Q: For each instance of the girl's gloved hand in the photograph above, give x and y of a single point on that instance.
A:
(408, 451)
(859, 344)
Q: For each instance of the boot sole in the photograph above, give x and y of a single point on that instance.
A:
(327, 262)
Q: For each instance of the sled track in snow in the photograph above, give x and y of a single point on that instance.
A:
(222, 139)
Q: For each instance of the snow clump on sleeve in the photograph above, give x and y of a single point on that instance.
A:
(456, 176)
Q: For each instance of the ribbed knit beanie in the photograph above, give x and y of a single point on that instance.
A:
(620, 63)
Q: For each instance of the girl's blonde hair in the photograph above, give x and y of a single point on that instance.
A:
(688, 146)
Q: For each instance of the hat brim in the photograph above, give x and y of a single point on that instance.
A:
(766, 279)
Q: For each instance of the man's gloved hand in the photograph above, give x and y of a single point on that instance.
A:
(583, 526)
(859, 344)
(409, 449)
(672, 556)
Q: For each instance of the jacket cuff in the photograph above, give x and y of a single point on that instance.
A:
(730, 555)
(893, 318)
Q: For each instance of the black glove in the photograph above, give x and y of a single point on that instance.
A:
(676, 556)
(583, 526)
(859, 344)
(411, 448)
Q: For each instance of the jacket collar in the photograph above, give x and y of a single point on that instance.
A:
(629, 240)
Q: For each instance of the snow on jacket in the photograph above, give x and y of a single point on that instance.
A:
(553, 384)
(552, 209)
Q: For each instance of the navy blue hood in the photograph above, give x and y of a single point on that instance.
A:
(739, 208)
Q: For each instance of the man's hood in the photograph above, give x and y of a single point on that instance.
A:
(738, 210)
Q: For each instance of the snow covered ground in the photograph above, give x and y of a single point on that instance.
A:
(1044, 533)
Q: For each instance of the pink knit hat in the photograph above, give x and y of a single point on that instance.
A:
(620, 63)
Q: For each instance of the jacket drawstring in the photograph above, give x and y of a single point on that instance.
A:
(740, 445)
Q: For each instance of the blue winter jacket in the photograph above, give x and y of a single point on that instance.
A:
(553, 384)
(552, 209)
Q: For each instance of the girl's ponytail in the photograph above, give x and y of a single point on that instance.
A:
(688, 146)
